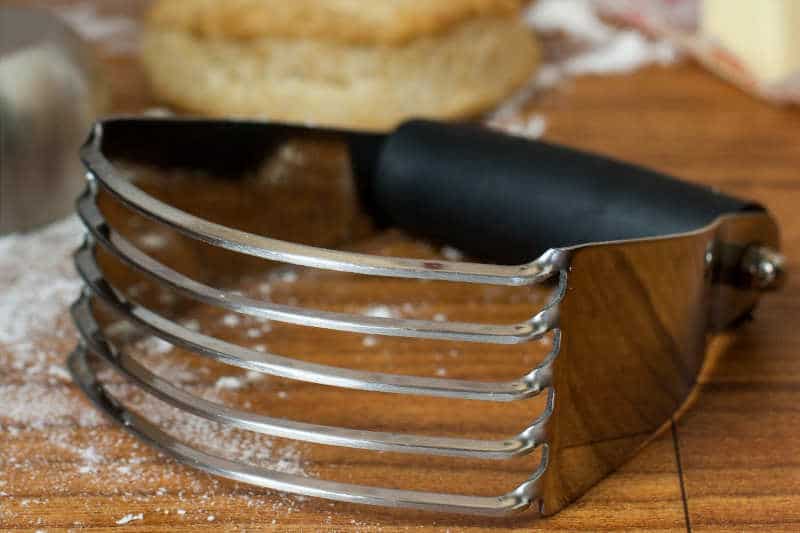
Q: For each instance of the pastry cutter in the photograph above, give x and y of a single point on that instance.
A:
(644, 269)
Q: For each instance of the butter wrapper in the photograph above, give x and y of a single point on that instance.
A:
(679, 22)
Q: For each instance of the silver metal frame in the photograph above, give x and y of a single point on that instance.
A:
(96, 348)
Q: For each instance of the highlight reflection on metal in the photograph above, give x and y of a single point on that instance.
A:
(630, 319)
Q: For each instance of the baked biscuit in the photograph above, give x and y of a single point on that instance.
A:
(351, 63)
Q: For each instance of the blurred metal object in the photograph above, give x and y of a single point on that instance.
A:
(49, 95)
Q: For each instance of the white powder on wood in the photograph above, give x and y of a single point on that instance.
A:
(252, 376)
(228, 383)
(596, 47)
(38, 284)
(452, 254)
(380, 311)
(191, 324)
(128, 518)
(118, 34)
(369, 341)
(231, 320)
(59, 372)
(578, 41)
(533, 127)
(288, 276)
(237, 383)
(153, 345)
(629, 50)
(153, 241)
(265, 289)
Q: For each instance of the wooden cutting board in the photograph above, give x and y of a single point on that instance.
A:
(729, 464)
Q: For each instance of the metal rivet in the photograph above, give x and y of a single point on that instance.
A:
(764, 267)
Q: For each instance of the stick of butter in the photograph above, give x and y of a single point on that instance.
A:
(763, 34)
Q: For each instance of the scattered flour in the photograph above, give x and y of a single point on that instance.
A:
(59, 372)
(130, 518)
(533, 127)
(573, 17)
(228, 383)
(595, 47)
(288, 276)
(38, 284)
(119, 35)
(37, 405)
(153, 345)
(191, 324)
(167, 298)
(578, 41)
(252, 376)
(629, 50)
(369, 341)
(452, 254)
(265, 288)
(237, 383)
(380, 311)
(153, 241)
(231, 320)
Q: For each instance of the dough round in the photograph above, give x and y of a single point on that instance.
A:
(346, 63)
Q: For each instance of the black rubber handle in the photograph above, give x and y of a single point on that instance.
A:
(508, 199)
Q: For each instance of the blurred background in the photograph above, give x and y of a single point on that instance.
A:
(65, 62)
(706, 90)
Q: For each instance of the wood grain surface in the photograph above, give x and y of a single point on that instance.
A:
(730, 463)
